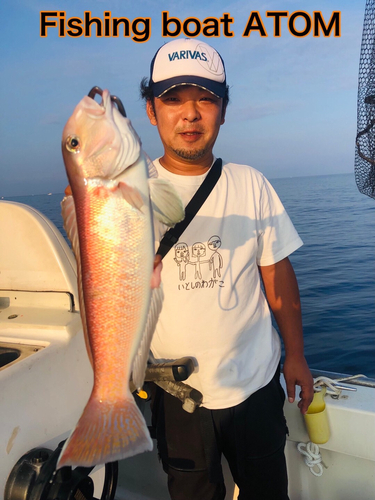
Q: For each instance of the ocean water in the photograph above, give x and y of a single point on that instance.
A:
(335, 268)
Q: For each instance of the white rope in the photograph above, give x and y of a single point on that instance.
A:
(334, 388)
(313, 458)
(319, 382)
(310, 451)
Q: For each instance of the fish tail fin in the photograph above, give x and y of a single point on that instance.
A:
(106, 432)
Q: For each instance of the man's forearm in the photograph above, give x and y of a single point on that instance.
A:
(282, 293)
(283, 297)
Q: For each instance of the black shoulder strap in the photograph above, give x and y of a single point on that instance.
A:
(171, 237)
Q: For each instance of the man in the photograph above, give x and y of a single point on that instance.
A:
(215, 310)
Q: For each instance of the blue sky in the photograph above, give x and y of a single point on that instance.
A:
(293, 100)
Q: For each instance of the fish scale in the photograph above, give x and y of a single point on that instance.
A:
(111, 278)
(127, 287)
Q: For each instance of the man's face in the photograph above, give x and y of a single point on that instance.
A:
(188, 120)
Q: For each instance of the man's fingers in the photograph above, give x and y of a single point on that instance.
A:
(156, 275)
(291, 391)
(306, 397)
(303, 405)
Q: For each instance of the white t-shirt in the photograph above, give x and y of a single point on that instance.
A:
(214, 309)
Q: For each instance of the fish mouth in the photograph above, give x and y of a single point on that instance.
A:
(107, 107)
(106, 97)
(109, 143)
(130, 144)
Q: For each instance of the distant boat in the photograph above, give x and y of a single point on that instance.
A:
(49, 194)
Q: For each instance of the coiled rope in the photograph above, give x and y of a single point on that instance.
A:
(313, 458)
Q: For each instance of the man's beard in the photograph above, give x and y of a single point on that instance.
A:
(190, 154)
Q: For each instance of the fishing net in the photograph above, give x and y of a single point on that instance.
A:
(365, 141)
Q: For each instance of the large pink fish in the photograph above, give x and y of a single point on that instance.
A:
(109, 220)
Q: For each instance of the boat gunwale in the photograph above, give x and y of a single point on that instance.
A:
(363, 381)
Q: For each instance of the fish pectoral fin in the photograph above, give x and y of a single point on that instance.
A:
(141, 357)
(166, 203)
(131, 195)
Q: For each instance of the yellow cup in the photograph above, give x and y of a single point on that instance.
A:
(316, 419)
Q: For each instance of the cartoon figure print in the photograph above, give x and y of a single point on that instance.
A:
(198, 251)
(216, 260)
(183, 258)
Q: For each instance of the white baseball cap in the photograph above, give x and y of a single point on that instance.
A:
(187, 62)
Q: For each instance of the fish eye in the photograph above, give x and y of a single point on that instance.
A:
(72, 144)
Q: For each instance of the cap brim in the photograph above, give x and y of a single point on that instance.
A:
(216, 88)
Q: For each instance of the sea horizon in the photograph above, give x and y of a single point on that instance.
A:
(4, 197)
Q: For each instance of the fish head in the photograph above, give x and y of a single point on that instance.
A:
(97, 141)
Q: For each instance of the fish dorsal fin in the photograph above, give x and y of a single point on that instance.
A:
(70, 225)
(165, 201)
(141, 357)
(68, 213)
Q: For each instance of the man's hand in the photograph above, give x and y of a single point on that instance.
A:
(156, 275)
(296, 372)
